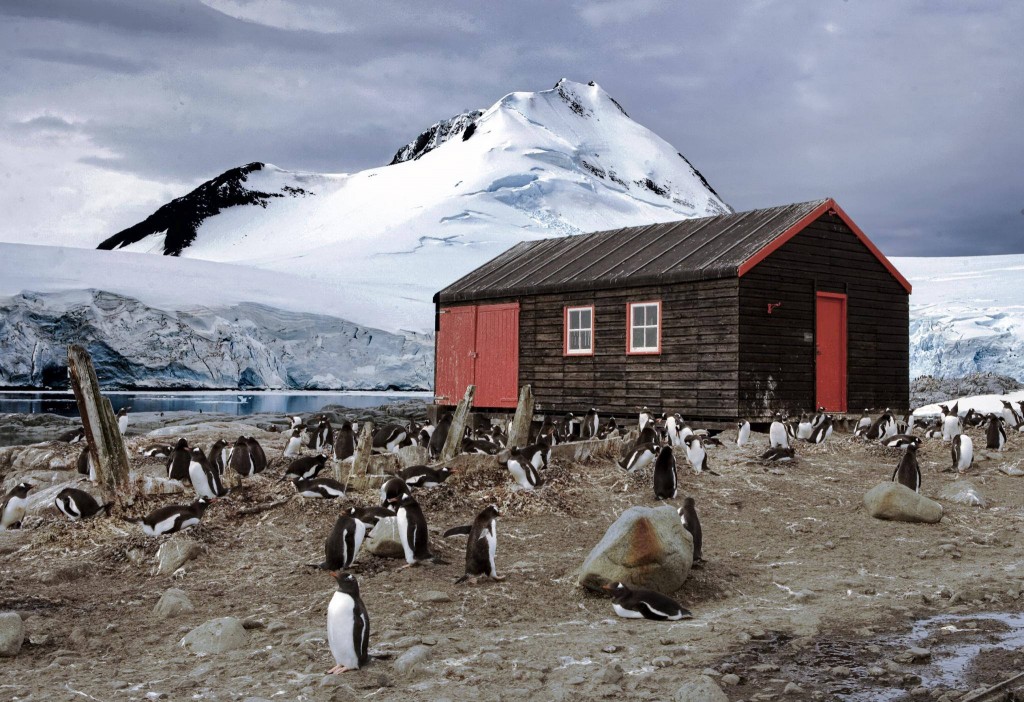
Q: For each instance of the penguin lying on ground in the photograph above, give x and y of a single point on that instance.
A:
(481, 546)
(389, 437)
(319, 488)
(644, 604)
(901, 441)
(640, 457)
(304, 468)
(688, 516)
(480, 447)
(522, 469)
(77, 504)
(156, 450)
(348, 626)
(907, 472)
(12, 509)
(778, 455)
(424, 476)
(173, 518)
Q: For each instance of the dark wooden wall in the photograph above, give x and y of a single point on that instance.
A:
(776, 352)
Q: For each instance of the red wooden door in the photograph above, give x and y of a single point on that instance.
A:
(497, 362)
(456, 354)
(830, 368)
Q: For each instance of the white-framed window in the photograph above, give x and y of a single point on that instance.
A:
(579, 331)
(644, 322)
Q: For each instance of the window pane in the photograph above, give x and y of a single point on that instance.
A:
(574, 319)
(585, 319)
(651, 338)
(638, 338)
(585, 341)
(638, 315)
(574, 340)
(652, 314)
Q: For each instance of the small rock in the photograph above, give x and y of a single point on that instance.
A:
(250, 623)
(274, 627)
(662, 662)
(804, 595)
(700, 688)
(176, 552)
(841, 671)
(919, 692)
(764, 668)
(12, 633)
(611, 648)
(792, 689)
(610, 675)
(215, 636)
(408, 662)
(434, 596)
(173, 603)
(731, 679)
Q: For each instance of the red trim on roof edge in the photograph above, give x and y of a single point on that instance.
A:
(829, 205)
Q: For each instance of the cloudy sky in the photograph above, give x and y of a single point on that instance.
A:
(908, 113)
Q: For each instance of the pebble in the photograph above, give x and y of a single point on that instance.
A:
(662, 662)
(764, 668)
(408, 662)
(173, 603)
(434, 596)
(730, 679)
(610, 675)
(792, 689)
(274, 627)
(841, 671)
(611, 648)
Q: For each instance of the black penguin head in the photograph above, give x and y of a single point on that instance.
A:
(617, 590)
(21, 489)
(912, 447)
(197, 452)
(490, 512)
(182, 443)
(347, 583)
(240, 441)
(445, 472)
(689, 503)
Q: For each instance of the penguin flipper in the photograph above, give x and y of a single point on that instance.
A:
(455, 531)
(463, 579)
(437, 560)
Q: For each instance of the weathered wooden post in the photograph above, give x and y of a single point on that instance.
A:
(453, 444)
(519, 435)
(364, 449)
(105, 442)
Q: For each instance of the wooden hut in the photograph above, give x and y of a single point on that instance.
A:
(740, 315)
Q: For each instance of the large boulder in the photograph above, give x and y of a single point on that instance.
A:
(215, 636)
(12, 633)
(645, 547)
(900, 503)
(384, 540)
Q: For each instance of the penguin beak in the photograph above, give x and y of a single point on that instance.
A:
(607, 587)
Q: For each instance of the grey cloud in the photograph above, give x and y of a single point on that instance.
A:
(86, 59)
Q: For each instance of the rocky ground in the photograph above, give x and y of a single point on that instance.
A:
(926, 390)
(803, 596)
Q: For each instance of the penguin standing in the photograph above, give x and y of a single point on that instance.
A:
(424, 434)
(322, 488)
(963, 452)
(305, 468)
(570, 428)
(370, 515)
(392, 491)
(1010, 415)
(537, 454)
(174, 518)
(122, 420)
(77, 504)
(204, 477)
(672, 430)
(646, 417)
(294, 446)
(742, 433)
(548, 432)
(995, 434)
(864, 422)
(688, 516)
(665, 487)
(179, 460)
(696, 454)
(259, 458)
(644, 604)
(348, 626)
(521, 468)
(241, 461)
(412, 529)
(344, 441)
(219, 453)
(440, 435)
(640, 457)
(591, 425)
(12, 509)
(85, 464)
(907, 472)
(951, 426)
(343, 544)
(777, 434)
(806, 427)
(882, 427)
(424, 476)
(481, 546)
(821, 433)
(324, 436)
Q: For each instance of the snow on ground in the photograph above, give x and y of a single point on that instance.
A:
(966, 315)
(983, 404)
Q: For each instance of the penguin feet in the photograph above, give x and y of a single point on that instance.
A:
(337, 670)
(498, 578)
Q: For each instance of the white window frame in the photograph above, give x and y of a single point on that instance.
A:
(630, 327)
(566, 349)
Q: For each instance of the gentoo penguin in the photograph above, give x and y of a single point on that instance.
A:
(122, 420)
(537, 454)
(305, 468)
(322, 488)
(219, 453)
(995, 434)
(156, 450)
(392, 491)
(370, 515)
(907, 472)
(344, 441)
(294, 446)
(951, 426)
(73, 436)
(647, 435)
(481, 546)
(672, 430)
(777, 435)
(440, 435)
(172, 518)
(822, 432)
(665, 487)
(805, 427)
(424, 434)
(323, 437)
(348, 626)
(688, 516)
(742, 433)
(522, 469)
(963, 452)
(570, 430)
(548, 432)
(77, 504)
(644, 604)
(179, 460)
(610, 429)
(296, 421)
(12, 509)
(204, 477)
(1009, 414)
(640, 457)
(343, 543)
(696, 454)
(259, 458)
(424, 476)
(241, 460)
(972, 418)
(480, 447)
(85, 464)
(780, 454)
(646, 417)
(412, 530)
(591, 425)
(901, 441)
(882, 427)
(864, 422)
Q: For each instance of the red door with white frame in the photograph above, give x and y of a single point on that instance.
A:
(456, 354)
(478, 345)
(830, 351)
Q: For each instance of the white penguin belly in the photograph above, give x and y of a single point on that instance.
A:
(403, 533)
(519, 473)
(14, 513)
(340, 626)
(627, 613)
(492, 547)
(199, 481)
(777, 436)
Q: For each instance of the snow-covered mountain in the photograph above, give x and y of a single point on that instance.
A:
(560, 161)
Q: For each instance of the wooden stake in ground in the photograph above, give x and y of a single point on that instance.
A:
(453, 444)
(519, 435)
(105, 442)
(364, 449)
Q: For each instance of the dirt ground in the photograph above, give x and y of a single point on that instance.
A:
(802, 596)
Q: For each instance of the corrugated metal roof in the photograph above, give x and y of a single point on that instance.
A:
(691, 249)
